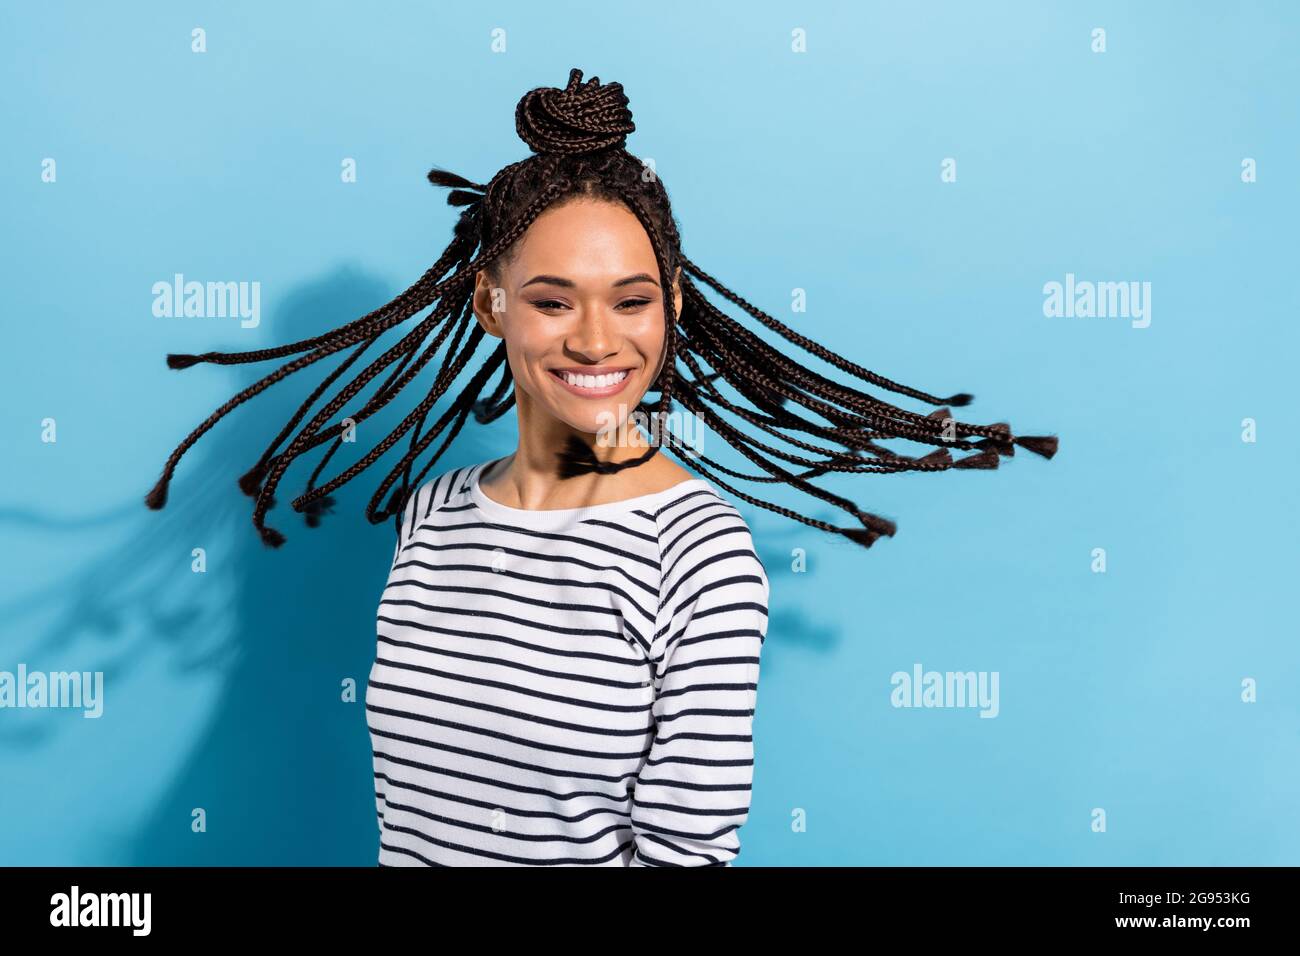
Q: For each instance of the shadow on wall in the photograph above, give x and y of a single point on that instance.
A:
(793, 618)
(224, 689)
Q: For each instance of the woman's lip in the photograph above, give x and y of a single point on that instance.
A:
(592, 392)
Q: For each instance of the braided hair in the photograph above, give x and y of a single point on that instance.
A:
(577, 137)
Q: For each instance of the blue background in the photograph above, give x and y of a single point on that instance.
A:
(819, 171)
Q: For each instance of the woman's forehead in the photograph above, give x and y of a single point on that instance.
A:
(586, 242)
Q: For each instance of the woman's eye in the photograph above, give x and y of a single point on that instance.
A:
(554, 304)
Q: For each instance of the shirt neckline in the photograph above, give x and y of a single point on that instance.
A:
(561, 517)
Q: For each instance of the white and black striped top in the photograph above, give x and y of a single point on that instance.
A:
(571, 687)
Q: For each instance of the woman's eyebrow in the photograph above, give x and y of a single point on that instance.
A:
(569, 284)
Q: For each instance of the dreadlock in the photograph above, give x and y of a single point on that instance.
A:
(577, 137)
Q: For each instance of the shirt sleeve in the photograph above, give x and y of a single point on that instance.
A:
(693, 793)
(416, 508)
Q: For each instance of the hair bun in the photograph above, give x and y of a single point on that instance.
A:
(581, 118)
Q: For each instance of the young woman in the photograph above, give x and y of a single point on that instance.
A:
(568, 644)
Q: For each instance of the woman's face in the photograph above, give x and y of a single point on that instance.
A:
(582, 314)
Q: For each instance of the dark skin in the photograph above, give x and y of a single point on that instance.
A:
(581, 292)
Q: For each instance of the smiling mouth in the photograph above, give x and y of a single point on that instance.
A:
(593, 386)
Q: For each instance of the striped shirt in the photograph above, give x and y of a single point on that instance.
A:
(566, 687)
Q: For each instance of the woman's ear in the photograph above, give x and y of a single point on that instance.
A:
(677, 292)
(486, 297)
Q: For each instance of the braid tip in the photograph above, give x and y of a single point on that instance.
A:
(270, 537)
(863, 536)
(442, 177)
(962, 398)
(879, 525)
(987, 459)
(250, 483)
(313, 510)
(182, 360)
(1044, 445)
(939, 456)
(1001, 446)
(157, 496)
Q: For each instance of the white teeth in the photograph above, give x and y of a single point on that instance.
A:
(594, 381)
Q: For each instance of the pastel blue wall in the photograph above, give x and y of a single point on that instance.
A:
(821, 171)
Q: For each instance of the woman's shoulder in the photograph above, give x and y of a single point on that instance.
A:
(709, 564)
(702, 530)
(442, 490)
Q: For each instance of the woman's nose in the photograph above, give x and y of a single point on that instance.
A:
(593, 337)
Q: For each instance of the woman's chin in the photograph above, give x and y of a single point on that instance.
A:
(611, 421)
(602, 429)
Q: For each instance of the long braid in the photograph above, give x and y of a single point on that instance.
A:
(851, 461)
(864, 537)
(460, 409)
(456, 360)
(855, 438)
(251, 480)
(396, 434)
(820, 351)
(157, 496)
(914, 426)
(313, 506)
(413, 300)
